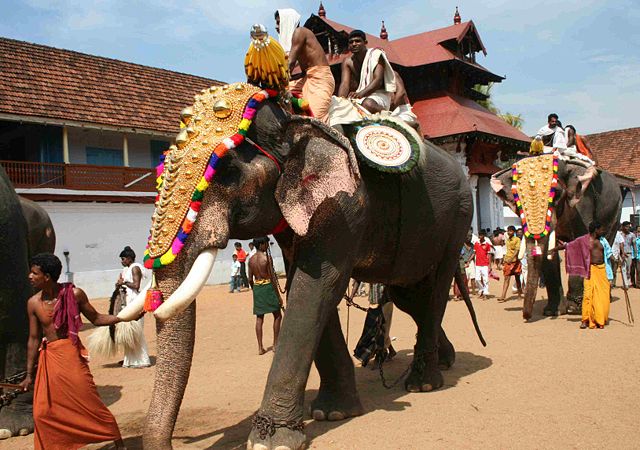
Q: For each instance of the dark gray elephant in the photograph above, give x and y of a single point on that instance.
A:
(405, 231)
(574, 211)
(25, 231)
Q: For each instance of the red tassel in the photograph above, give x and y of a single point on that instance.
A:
(153, 299)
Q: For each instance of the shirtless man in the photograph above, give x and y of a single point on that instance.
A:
(67, 411)
(265, 300)
(597, 290)
(375, 92)
(401, 106)
(316, 83)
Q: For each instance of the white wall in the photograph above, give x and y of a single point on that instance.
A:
(627, 205)
(94, 234)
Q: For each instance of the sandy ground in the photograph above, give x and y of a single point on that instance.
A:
(536, 385)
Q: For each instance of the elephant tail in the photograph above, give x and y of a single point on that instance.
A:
(462, 286)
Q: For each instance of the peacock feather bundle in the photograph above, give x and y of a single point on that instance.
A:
(266, 62)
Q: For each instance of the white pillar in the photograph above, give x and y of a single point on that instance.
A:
(125, 150)
(65, 145)
(473, 182)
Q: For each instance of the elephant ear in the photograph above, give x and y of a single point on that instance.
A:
(501, 183)
(571, 179)
(320, 164)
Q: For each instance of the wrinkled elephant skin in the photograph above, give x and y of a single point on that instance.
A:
(344, 221)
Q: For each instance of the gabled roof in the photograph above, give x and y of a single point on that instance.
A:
(418, 49)
(41, 81)
(618, 151)
(446, 114)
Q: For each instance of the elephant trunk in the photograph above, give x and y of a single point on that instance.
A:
(175, 340)
(534, 267)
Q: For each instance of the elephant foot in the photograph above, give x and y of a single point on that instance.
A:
(550, 312)
(332, 405)
(267, 434)
(425, 375)
(16, 419)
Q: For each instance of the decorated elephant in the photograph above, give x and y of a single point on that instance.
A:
(293, 177)
(548, 187)
(26, 231)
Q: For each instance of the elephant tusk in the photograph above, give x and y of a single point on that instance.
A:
(132, 310)
(190, 286)
(552, 244)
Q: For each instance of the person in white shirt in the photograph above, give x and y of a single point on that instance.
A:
(130, 281)
(626, 243)
(252, 251)
(552, 135)
(234, 282)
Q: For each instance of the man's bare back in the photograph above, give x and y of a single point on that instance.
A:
(259, 267)
(306, 50)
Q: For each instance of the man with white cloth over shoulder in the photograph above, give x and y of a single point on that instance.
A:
(371, 70)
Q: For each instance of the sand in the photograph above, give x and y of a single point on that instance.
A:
(536, 385)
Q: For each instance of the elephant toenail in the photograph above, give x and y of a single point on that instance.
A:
(23, 432)
(282, 447)
(336, 415)
(260, 447)
(427, 388)
(318, 414)
(5, 434)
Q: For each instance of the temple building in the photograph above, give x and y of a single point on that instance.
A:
(440, 69)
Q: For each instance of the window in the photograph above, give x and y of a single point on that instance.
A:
(104, 156)
(157, 147)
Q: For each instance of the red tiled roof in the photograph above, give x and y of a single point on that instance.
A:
(420, 49)
(447, 114)
(618, 151)
(36, 80)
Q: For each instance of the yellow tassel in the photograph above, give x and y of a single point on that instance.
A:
(537, 147)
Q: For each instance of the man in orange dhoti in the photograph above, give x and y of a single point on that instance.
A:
(67, 411)
(317, 83)
(591, 253)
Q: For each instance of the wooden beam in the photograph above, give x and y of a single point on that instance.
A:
(65, 145)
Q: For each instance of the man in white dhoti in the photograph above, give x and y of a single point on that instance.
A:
(552, 135)
(130, 280)
(400, 106)
(371, 71)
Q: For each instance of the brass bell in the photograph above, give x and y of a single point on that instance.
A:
(188, 174)
(182, 189)
(205, 142)
(225, 87)
(218, 130)
(222, 109)
(190, 131)
(195, 156)
(171, 218)
(197, 118)
(186, 114)
(239, 87)
(182, 138)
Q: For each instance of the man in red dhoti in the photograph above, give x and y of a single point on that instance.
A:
(67, 411)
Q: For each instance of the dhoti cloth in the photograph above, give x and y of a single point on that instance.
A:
(596, 299)
(265, 300)
(67, 411)
(316, 87)
(512, 268)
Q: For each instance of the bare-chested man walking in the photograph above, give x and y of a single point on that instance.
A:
(265, 300)
(316, 83)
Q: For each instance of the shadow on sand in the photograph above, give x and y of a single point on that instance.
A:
(373, 395)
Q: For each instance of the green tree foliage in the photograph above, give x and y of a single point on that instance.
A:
(515, 120)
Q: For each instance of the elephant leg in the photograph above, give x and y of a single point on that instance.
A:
(17, 417)
(551, 272)
(322, 271)
(446, 351)
(338, 397)
(175, 342)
